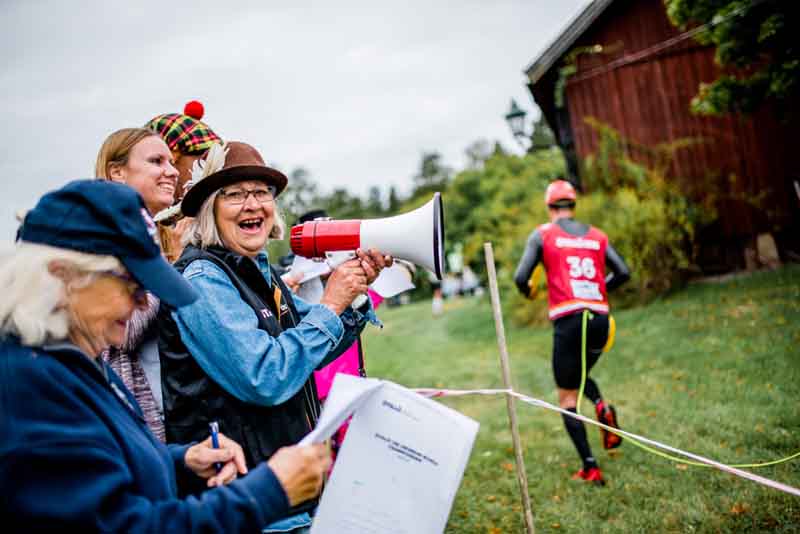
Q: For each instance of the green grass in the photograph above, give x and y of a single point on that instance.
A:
(713, 369)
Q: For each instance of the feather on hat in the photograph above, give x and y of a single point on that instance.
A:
(227, 164)
(213, 162)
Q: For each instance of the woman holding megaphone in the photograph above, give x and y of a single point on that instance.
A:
(243, 354)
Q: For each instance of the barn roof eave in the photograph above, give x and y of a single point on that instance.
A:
(574, 29)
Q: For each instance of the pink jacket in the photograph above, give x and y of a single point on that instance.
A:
(347, 363)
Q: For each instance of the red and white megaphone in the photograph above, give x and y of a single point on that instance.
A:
(416, 236)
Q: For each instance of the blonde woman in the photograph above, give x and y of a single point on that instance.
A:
(139, 158)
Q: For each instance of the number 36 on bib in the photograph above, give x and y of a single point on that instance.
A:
(583, 268)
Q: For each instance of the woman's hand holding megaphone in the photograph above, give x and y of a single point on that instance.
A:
(345, 283)
(352, 278)
(373, 262)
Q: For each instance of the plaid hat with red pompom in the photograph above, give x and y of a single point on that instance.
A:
(185, 132)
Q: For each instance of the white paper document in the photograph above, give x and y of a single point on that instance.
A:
(311, 291)
(308, 268)
(401, 463)
(346, 395)
(392, 281)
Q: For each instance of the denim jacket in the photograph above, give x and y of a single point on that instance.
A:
(259, 368)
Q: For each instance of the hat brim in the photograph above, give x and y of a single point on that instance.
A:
(199, 192)
(160, 278)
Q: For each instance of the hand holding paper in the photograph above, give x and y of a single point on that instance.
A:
(399, 467)
(300, 470)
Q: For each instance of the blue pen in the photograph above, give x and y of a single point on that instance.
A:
(214, 427)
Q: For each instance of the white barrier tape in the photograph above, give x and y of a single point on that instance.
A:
(431, 392)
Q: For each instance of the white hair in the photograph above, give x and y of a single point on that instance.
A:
(202, 232)
(33, 303)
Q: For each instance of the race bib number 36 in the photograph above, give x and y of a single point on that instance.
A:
(583, 268)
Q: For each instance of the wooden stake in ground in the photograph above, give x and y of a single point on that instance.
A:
(522, 478)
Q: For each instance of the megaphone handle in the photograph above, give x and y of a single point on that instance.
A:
(359, 301)
(336, 258)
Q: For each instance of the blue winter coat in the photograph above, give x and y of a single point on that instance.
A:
(76, 456)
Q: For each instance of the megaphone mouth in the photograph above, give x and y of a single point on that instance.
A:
(438, 235)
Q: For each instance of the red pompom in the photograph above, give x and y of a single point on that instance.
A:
(194, 109)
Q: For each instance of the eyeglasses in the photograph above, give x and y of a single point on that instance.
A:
(239, 196)
(135, 289)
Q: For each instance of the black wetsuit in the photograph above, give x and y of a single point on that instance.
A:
(567, 329)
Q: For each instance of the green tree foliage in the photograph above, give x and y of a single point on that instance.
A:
(498, 198)
(300, 196)
(433, 175)
(758, 39)
(650, 217)
(501, 203)
(341, 204)
(394, 201)
(647, 215)
(477, 153)
(303, 195)
(374, 204)
(495, 203)
(542, 137)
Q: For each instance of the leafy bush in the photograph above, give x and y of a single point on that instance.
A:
(498, 202)
(651, 233)
(648, 218)
(501, 203)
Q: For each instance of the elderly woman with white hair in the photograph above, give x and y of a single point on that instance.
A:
(76, 454)
(245, 352)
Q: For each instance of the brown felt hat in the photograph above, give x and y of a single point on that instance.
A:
(242, 162)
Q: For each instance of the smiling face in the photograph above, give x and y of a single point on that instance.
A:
(244, 228)
(149, 170)
(99, 312)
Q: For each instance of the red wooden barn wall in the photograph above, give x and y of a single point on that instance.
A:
(648, 102)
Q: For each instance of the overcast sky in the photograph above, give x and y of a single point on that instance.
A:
(354, 92)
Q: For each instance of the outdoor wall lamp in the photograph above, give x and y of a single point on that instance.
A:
(516, 121)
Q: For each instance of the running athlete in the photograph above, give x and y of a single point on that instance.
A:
(575, 256)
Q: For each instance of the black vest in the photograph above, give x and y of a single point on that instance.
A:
(192, 399)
